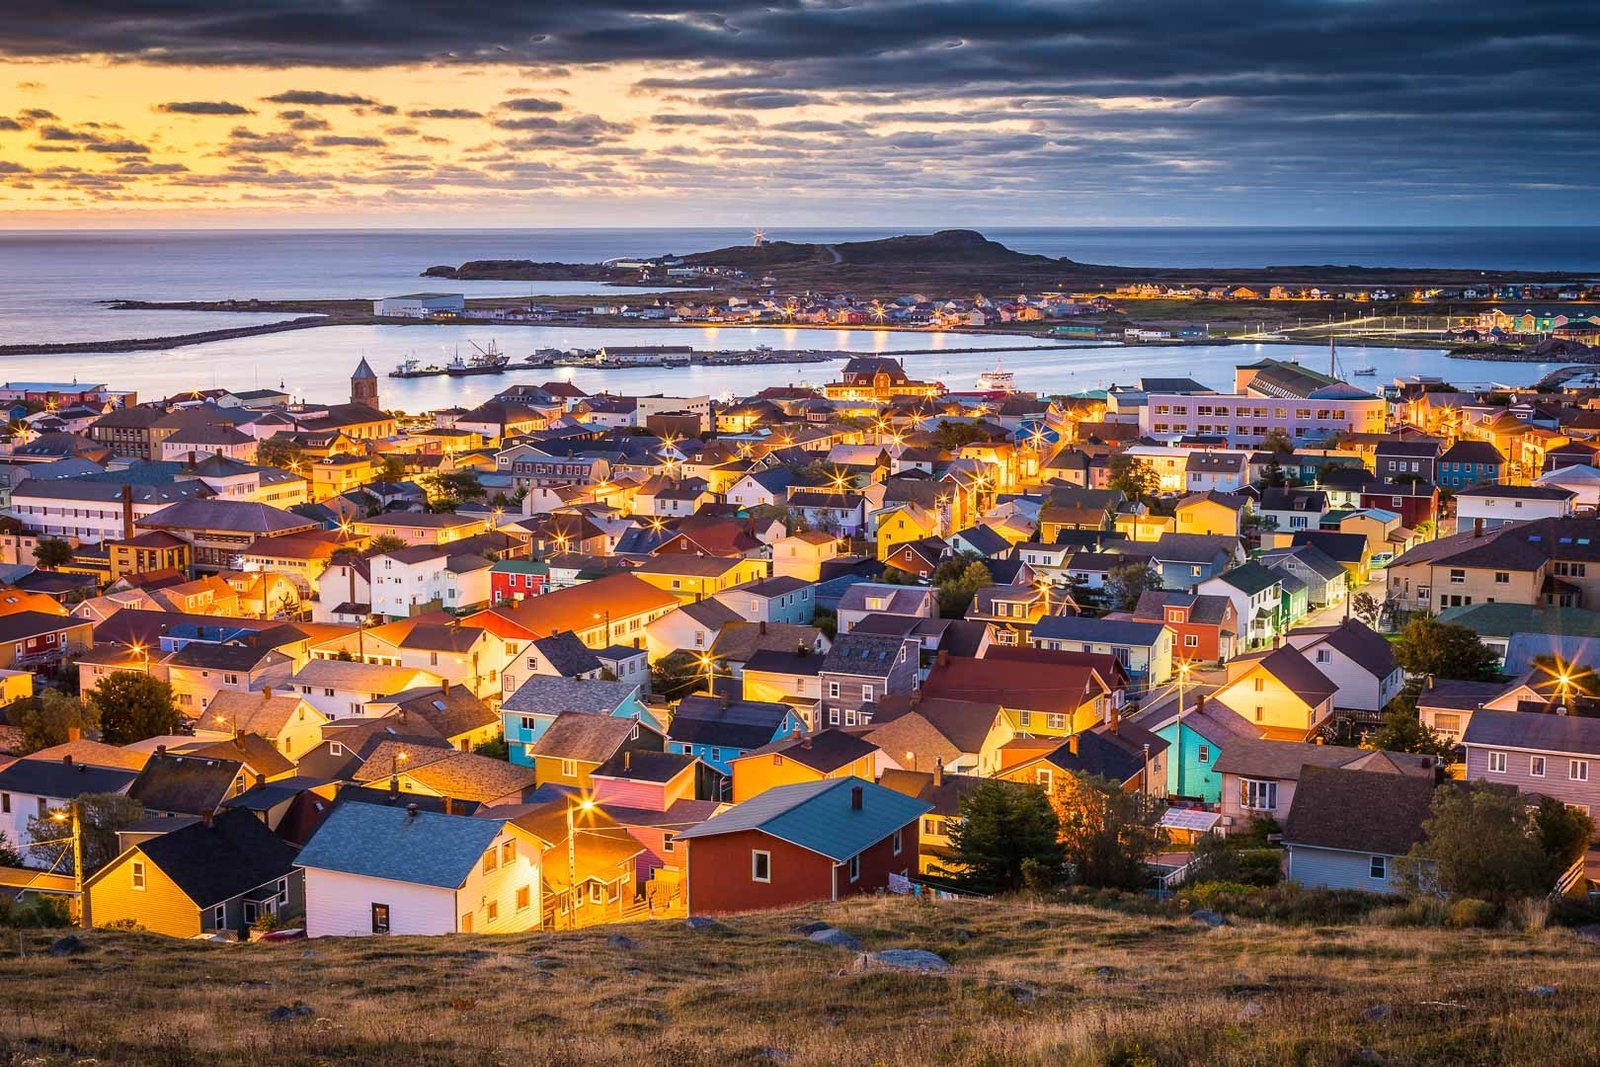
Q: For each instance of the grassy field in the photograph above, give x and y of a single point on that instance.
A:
(1032, 985)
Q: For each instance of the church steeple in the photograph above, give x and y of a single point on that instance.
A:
(364, 386)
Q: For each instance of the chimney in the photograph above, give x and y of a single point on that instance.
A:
(127, 511)
(449, 806)
(394, 786)
(444, 686)
(1199, 703)
(1116, 717)
(1430, 681)
(74, 733)
(161, 750)
(805, 742)
(261, 779)
(943, 659)
(266, 692)
(1072, 744)
(938, 772)
(192, 463)
(763, 626)
(855, 798)
(67, 759)
(411, 810)
(205, 817)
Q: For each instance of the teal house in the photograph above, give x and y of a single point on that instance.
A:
(528, 713)
(1194, 745)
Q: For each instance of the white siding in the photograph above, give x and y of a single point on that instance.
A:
(1327, 868)
(340, 905)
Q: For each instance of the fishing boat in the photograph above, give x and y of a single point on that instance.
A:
(997, 381)
(488, 361)
(411, 367)
(1364, 372)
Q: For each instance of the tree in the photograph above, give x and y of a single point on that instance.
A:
(393, 469)
(100, 816)
(1278, 442)
(1108, 833)
(956, 594)
(677, 675)
(9, 856)
(1367, 608)
(132, 707)
(1005, 830)
(52, 552)
(1403, 729)
(952, 436)
(1428, 646)
(1483, 843)
(1135, 478)
(382, 545)
(1124, 585)
(49, 718)
(280, 452)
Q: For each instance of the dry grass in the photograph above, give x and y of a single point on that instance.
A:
(1033, 985)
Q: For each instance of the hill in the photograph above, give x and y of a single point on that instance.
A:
(1055, 985)
(947, 247)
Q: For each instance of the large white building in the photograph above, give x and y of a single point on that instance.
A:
(420, 305)
(1269, 395)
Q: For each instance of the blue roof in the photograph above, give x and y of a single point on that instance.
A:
(818, 817)
(378, 841)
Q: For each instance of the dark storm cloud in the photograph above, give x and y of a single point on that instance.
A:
(203, 107)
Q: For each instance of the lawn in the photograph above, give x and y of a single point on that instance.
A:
(1032, 984)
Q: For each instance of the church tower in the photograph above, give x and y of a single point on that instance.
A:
(364, 386)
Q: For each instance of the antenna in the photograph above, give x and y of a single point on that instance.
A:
(1331, 356)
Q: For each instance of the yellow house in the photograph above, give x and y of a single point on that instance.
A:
(906, 522)
(810, 758)
(1218, 514)
(1143, 527)
(694, 577)
(153, 550)
(339, 474)
(802, 555)
(191, 881)
(1280, 692)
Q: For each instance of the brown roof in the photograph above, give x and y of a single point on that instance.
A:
(263, 713)
(578, 735)
(94, 754)
(824, 752)
(469, 776)
(1040, 687)
(1358, 812)
(932, 727)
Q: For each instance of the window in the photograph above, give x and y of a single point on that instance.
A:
(833, 690)
(494, 910)
(569, 768)
(1025, 719)
(491, 861)
(508, 852)
(1502, 577)
(219, 917)
(1204, 754)
(716, 755)
(851, 718)
(1497, 763)
(1578, 770)
(1324, 656)
(666, 841)
(5, 803)
(760, 866)
(1044, 777)
(137, 870)
(1536, 766)
(466, 922)
(1258, 795)
(1261, 685)
(855, 868)
(1378, 868)
(1191, 640)
(380, 918)
(1260, 713)
(897, 841)
(1458, 577)
(1056, 722)
(524, 899)
(866, 693)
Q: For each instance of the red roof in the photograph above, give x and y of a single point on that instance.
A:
(1042, 687)
(621, 595)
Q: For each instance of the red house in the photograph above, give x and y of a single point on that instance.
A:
(1414, 502)
(511, 580)
(794, 844)
(1205, 626)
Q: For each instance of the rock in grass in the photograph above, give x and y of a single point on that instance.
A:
(701, 922)
(1542, 991)
(71, 945)
(904, 959)
(288, 1013)
(1210, 918)
(1377, 1013)
(622, 941)
(811, 927)
(836, 938)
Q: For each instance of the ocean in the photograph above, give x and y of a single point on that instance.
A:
(52, 281)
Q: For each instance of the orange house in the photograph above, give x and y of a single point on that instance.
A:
(803, 758)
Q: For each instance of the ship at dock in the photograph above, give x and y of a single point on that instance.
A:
(489, 360)
(998, 380)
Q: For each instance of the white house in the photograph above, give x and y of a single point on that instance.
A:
(342, 688)
(1354, 658)
(423, 577)
(379, 869)
(32, 787)
(1495, 505)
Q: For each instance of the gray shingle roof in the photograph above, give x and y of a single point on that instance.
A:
(1109, 631)
(818, 816)
(1537, 731)
(552, 696)
(374, 841)
(1358, 811)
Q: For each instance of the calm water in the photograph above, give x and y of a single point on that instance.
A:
(316, 364)
(51, 280)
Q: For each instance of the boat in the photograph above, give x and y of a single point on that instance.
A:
(997, 381)
(411, 367)
(488, 361)
(1364, 372)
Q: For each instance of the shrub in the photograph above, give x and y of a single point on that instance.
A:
(1470, 912)
(1530, 915)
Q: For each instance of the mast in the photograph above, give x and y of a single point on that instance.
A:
(1331, 356)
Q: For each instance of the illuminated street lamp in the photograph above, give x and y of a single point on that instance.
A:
(584, 805)
(76, 837)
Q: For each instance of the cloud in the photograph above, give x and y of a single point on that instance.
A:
(444, 113)
(318, 98)
(124, 147)
(533, 104)
(8, 123)
(343, 140)
(757, 101)
(690, 120)
(203, 107)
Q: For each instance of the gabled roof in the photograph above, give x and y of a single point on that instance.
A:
(586, 737)
(824, 752)
(1359, 642)
(743, 724)
(57, 779)
(186, 785)
(549, 695)
(423, 848)
(1249, 579)
(1533, 730)
(212, 864)
(1293, 669)
(818, 816)
(1097, 631)
(1357, 811)
(1284, 760)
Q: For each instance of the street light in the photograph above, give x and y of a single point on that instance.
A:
(1183, 681)
(584, 805)
(71, 814)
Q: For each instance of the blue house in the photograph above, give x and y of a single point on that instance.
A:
(1193, 748)
(526, 714)
(1182, 559)
(719, 731)
(1469, 463)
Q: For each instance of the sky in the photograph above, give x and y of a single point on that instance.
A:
(391, 113)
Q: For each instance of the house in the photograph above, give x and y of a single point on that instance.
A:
(1545, 562)
(175, 785)
(590, 876)
(1259, 777)
(1413, 459)
(873, 598)
(943, 793)
(576, 743)
(376, 869)
(696, 577)
(1347, 827)
(773, 600)
(1257, 596)
(1129, 755)
(422, 578)
(914, 733)
(34, 786)
(1290, 510)
(1279, 691)
(1542, 753)
(691, 628)
(1205, 628)
(919, 558)
(1040, 694)
(214, 876)
(454, 713)
(1415, 502)
(419, 528)
(1211, 513)
(1219, 472)
(1195, 739)
(40, 640)
(607, 611)
(718, 730)
(1357, 660)
(219, 531)
(338, 689)
(1183, 559)
(1144, 649)
(287, 721)
(1468, 463)
(802, 758)
(790, 678)
(652, 796)
(802, 555)
(809, 841)
(860, 668)
(1488, 506)
(528, 712)
(1325, 579)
